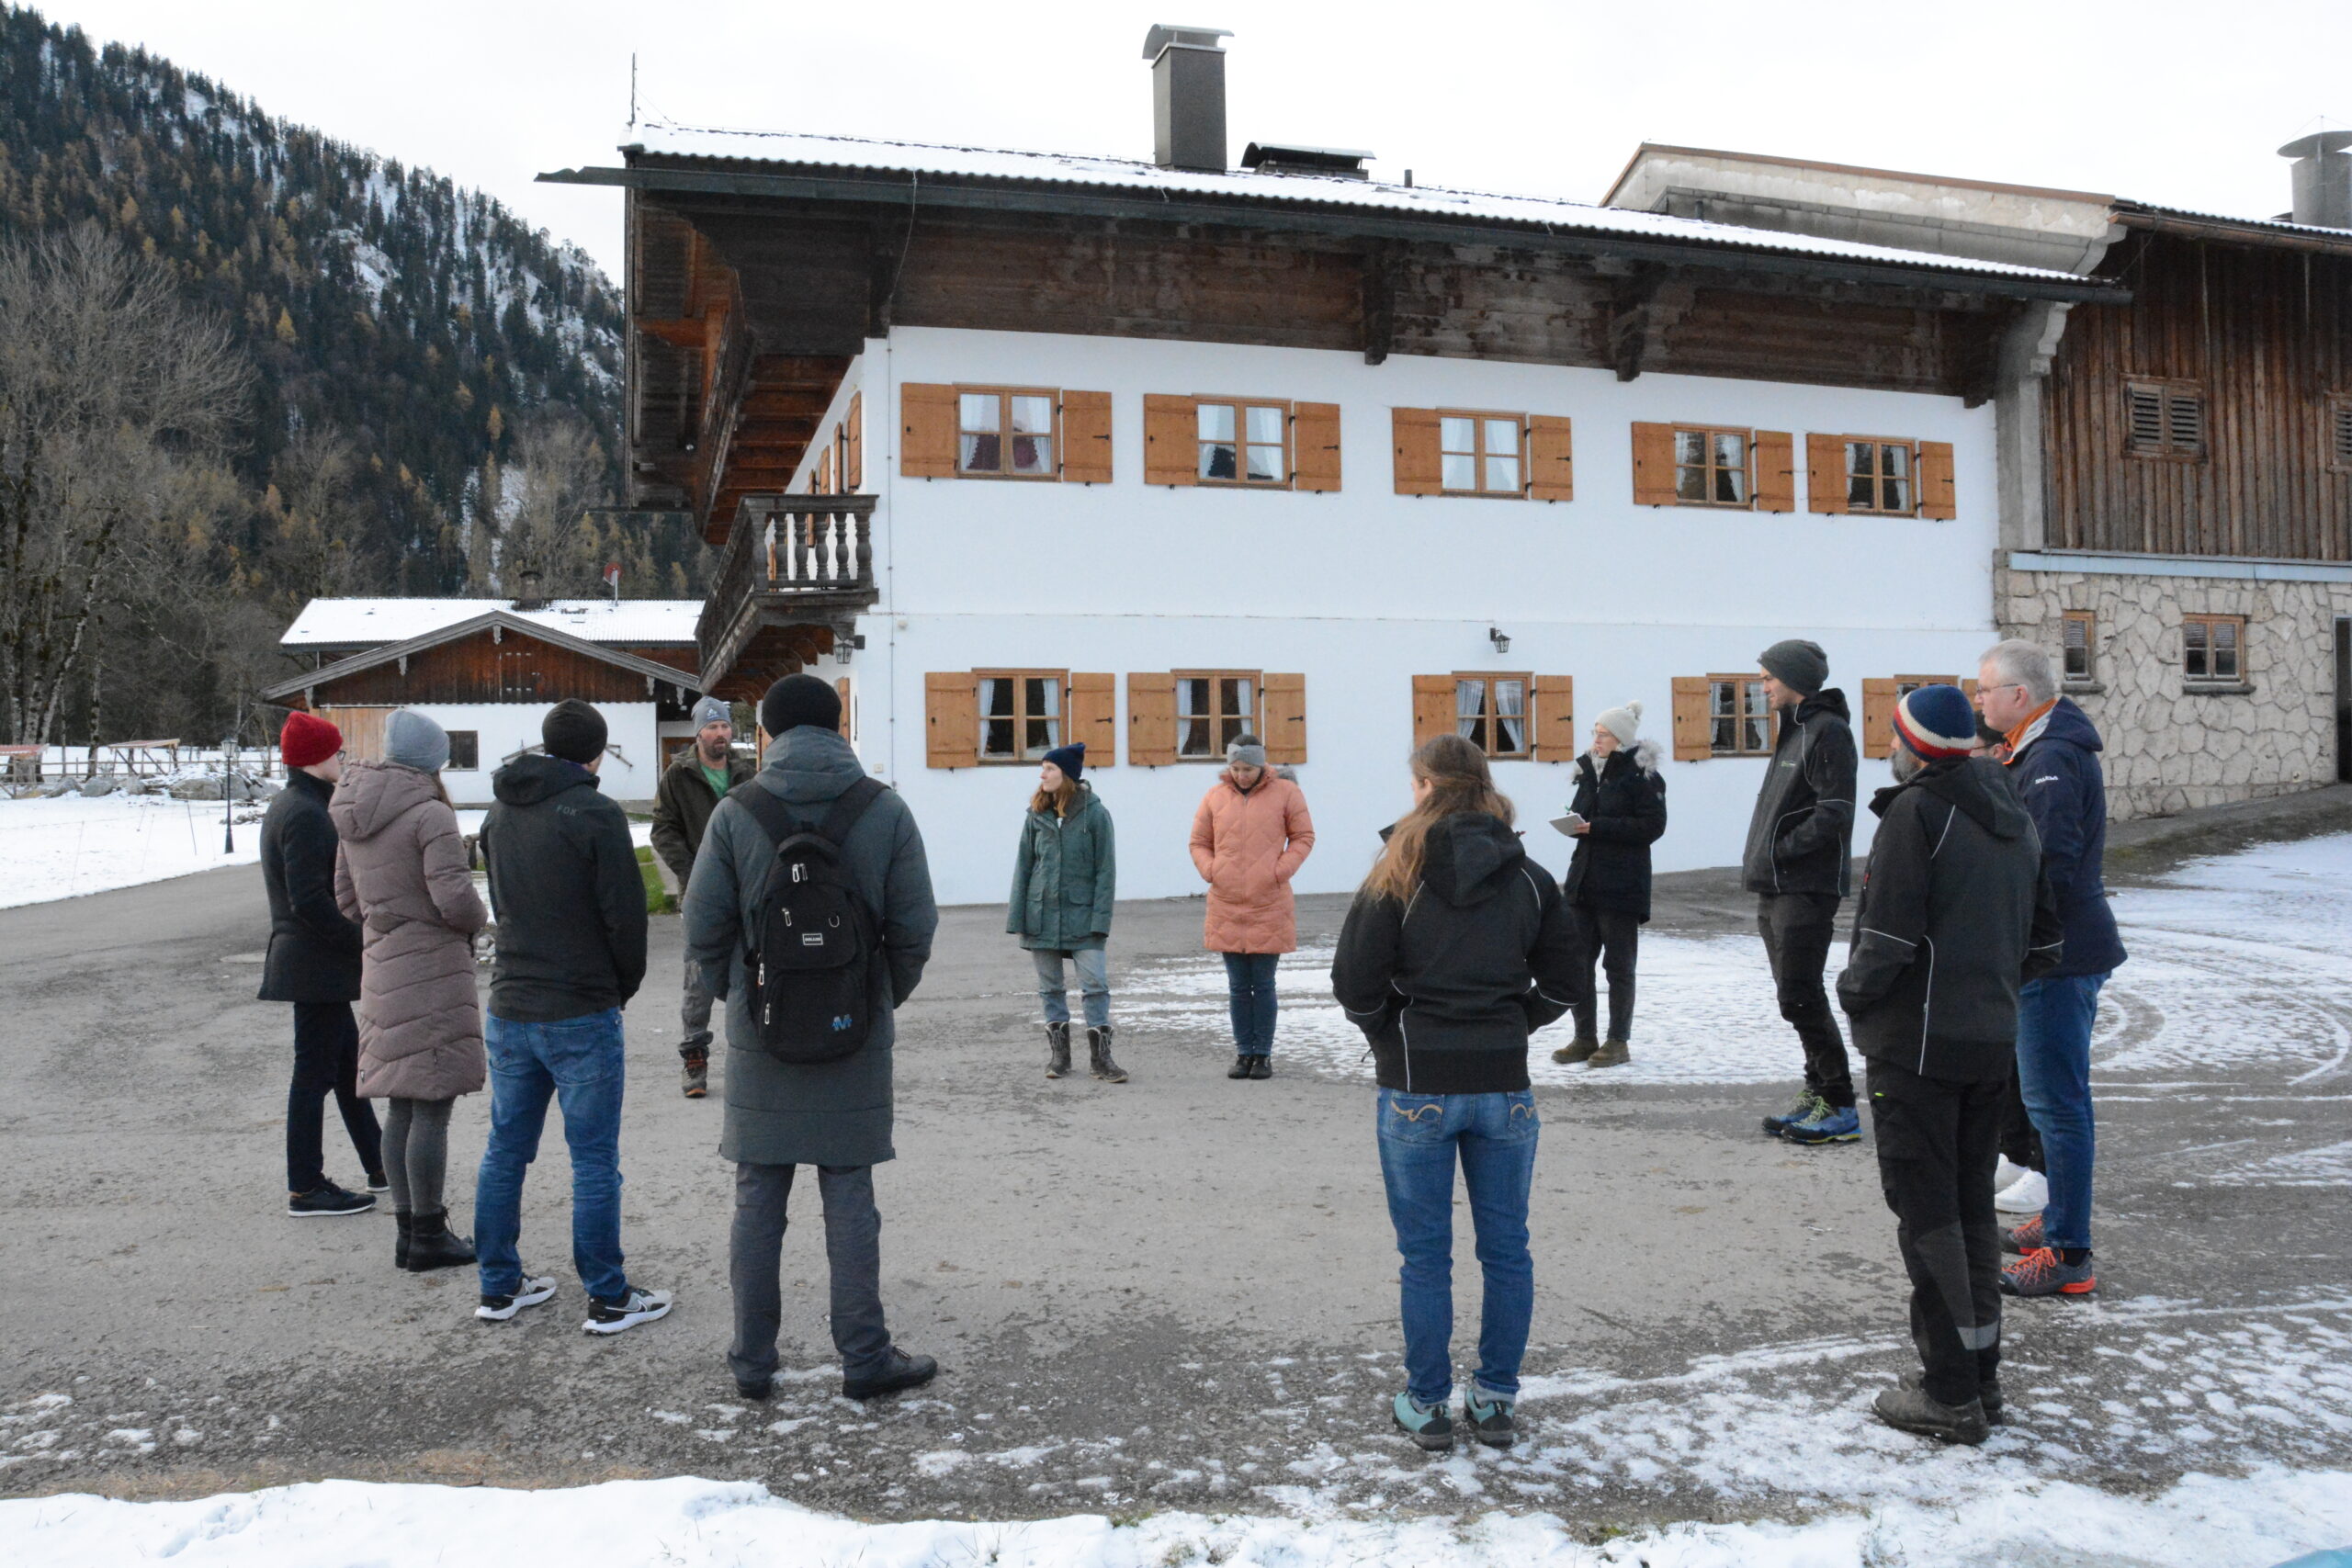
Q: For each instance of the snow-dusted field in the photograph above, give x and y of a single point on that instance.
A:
(64, 848)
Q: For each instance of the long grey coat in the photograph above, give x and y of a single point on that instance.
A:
(401, 874)
(828, 1112)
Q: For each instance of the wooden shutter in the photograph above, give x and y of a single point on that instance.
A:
(841, 690)
(1284, 730)
(1421, 465)
(1776, 471)
(1693, 734)
(1315, 446)
(1879, 694)
(1151, 718)
(854, 449)
(1086, 438)
(1653, 465)
(1555, 718)
(1094, 717)
(1551, 459)
(1171, 453)
(1936, 481)
(927, 439)
(1825, 473)
(952, 719)
(1432, 708)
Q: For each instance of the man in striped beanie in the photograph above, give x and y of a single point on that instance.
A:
(1954, 915)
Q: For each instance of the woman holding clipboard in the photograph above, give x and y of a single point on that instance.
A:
(1619, 811)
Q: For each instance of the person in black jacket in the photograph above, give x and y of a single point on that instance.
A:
(1621, 799)
(1798, 863)
(1456, 948)
(313, 963)
(1954, 917)
(570, 904)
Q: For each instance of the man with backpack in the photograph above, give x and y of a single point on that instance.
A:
(811, 914)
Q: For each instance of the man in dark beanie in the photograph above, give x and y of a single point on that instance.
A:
(1799, 864)
(571, 910)
(692, 786)
(834, 1114)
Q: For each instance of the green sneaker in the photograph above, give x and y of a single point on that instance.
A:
(1427, 1425)
(1490, 1418)
(1802, 1107)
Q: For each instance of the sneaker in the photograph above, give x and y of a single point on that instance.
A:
(1828, 1124)
(325, 1199)
(1988, 1396)
(2039, 1273)
(1262, 1066)
(2022, 1240)
(1612, 1053)
(529, 1294)
(1490, 1419)
(901, 1371)
(1580, 1049)
(694, 1071)
(1907, 1408)
(610, 1316)
(2028, 1194)
(379, 1182)
(1429, 1425)
(1805, 1103)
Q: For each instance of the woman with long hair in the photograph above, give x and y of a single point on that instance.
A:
(401, 874)
(1065, 877)
(1456, 949)
(1249, 837)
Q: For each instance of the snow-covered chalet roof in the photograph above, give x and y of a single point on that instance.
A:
(346, 624)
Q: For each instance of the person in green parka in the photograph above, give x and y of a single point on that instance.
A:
(1063, 882)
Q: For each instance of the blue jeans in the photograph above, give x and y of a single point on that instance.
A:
(1093, 965)
(1494, 1136)
(579, 1062)
(1249, 990)
(2054, 1020)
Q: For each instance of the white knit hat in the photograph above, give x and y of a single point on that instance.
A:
(1625, 723)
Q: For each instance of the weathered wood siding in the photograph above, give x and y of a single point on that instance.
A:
(517, 670)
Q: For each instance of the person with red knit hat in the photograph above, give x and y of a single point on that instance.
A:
(313, 963)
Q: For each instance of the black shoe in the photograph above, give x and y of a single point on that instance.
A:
(1988, 1395)
(1241, 1069)
(431, 1246)
(1058, 1050)
(694, 1072)
(1098, 1056)
(901, 1371)
(1910, 1409)
(379, 1182)
(1262, 1066)
(327, 1200)
(407, 1223)
(529, 1294)
(757, 1392)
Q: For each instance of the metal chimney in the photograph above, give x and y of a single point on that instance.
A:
(2322, 176)
(1187, 95)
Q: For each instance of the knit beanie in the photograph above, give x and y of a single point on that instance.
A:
(1936, 722)
(1070, 758)
(798, 700)
(574, 731)
(1797, 664)
(413, 740)
(712, 710)
(1246, 752)
(1625, 723)
(307, 741)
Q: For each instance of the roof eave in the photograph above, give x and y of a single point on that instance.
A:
(391, 651)
(2232, 231)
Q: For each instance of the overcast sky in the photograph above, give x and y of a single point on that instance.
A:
(2180, 102)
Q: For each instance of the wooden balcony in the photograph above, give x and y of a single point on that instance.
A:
(796, 573)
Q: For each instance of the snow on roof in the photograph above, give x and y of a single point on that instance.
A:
(370, 623)
(1429, 201)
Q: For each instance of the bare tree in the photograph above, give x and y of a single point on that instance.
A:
(558, 471)
(312, 517)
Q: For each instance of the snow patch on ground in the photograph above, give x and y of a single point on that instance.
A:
(67, 847)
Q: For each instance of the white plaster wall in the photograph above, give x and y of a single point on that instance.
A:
(631, 774)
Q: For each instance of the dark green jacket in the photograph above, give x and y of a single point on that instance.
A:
(682, 808)
(1065, 878)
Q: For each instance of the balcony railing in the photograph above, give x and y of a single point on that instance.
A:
(789, 558)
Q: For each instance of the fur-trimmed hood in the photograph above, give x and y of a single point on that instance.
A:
(1647, 755)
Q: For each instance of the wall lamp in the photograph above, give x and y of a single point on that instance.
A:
(1500, 638)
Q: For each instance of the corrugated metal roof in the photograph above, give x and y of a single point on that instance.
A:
(370, 623)
(917, 158)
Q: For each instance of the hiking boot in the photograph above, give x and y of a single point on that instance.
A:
(610, 1315)
(1056, 1050)
(1988, 1396)
(1802, 1106)
(1241, 1069)
(1612, 1053)
(401, 1218)
(1580, 1049)
(1429, 1425)
(2028, 1194)
(694, 1071)
(430, 1245)
(2023, 1238)
(327, 1200)
(1828, 1124)
(1098, 1056)
(1907, 1408)
(1490, 1419)
(529, 1294)
(901, 1371)
(1262, 1066)
(2041, 1273)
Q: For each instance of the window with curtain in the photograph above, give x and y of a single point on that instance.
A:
(1212, 709)
(1020, 717)
(1490, 712)
(1479, 454)
(1711, 468)
(1242, 443)
(1003, 431)
(1739, 718)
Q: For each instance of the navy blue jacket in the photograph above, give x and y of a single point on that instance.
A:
(2056, 774)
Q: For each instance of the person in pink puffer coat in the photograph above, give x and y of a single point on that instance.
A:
(1249, 837)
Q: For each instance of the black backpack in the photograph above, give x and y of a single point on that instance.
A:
(812, 951)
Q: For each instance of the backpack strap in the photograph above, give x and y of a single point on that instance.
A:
(778, 820)
(773, 816)
(847, 808)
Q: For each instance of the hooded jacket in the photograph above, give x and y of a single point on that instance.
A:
(314, 950)
(1801, 838)
(400, 872)
(1247, 845)
(1065, 877)
(682, 806)
(2055, 771)
(1448, 984)
(570, 899)
(1623, 798)
(837, 1113)
(1955, 913)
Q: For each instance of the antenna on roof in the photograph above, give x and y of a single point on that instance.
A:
(632, 89)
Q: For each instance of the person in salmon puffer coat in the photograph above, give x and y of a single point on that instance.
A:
(1249, 837)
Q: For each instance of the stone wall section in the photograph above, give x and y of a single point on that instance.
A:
(2169, 749)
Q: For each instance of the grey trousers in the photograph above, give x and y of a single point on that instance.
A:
(416, 1153)
(853, 1251)
(693, 1012)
